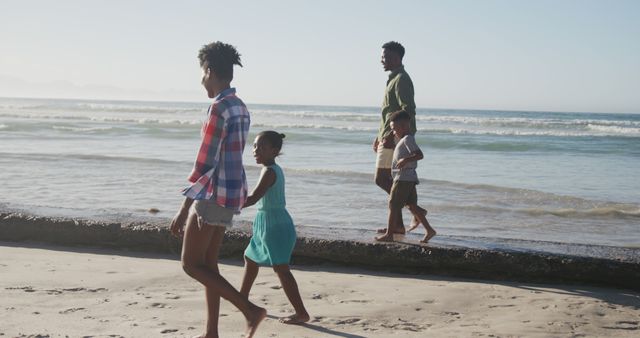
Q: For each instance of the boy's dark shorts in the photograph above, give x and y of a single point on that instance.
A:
(403, 193)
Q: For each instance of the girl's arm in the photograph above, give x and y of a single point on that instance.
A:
(267, 179)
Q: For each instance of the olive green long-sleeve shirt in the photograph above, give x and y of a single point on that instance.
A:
(397, 96)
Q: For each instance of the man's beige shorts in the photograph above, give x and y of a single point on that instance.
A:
(384, 157)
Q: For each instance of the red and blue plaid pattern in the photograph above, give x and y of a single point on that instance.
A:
(218, 173)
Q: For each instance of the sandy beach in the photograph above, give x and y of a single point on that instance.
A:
(50, 291)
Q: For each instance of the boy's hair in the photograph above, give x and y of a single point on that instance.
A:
(394, 47)
(274, 138)
(400, 115)
(220, 58)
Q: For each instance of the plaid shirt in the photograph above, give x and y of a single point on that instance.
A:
(218, 173)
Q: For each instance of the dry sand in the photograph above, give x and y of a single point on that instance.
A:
(58, 292)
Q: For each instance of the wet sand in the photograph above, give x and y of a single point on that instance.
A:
(61, 291)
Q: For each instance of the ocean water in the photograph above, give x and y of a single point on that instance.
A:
(561, 177)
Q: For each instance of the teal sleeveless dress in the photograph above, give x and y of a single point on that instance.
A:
(274, 234)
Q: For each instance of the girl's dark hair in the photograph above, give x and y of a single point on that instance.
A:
(273, 137)
(220, 58)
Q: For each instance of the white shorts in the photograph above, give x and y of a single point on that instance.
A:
(384, 157)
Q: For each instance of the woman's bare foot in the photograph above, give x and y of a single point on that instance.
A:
(385, 238)
(295, 319)
(415, 221)
(427, 237)
(252, 323)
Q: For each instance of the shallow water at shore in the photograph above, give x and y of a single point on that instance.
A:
(559, 177)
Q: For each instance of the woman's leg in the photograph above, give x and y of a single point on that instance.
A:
(213, 297)
(293, 294)
(250, 274)
(198, 241)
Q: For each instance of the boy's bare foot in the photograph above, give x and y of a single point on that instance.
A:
(252, 323)
(415, 222)
(385, 238)
(399, 231)
(427, 237)
(295, 319)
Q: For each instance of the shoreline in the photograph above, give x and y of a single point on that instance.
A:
(573, 264)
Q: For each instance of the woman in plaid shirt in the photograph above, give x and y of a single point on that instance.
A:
(218, 187)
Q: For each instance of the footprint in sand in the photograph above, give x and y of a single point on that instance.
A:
(405, 325)
(318, 296)
(501, 305)
(348, 321)
(624, 325)
(276, 287)
(170, 295)
(317, 319)
(355, 301)
(168, 331)
(160, 305)
(74, 309)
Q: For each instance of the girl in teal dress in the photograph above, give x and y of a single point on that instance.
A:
(274, 234)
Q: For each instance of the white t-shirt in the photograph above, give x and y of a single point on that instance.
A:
(405, 148)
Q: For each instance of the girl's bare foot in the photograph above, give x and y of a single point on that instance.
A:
(415, 222)
(385, 238)
(295, 319)
(252, 323)
(427, 237)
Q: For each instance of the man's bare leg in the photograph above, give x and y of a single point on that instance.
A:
(395, 216)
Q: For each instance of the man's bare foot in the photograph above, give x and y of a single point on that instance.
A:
(415, 222)
(252, 323)
(295, 319)
(399, 231)
(427, 237)
(385, 238)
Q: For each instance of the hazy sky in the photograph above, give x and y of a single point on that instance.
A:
(528, 55)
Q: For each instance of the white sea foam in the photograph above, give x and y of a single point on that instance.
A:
(82, 129)
(614, 130)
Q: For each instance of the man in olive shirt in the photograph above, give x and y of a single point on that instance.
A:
(398, 95)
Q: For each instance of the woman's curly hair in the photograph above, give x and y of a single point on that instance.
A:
(220, 58)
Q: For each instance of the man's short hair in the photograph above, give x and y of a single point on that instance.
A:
(394, 47)
(400, 115)
(220, 58)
